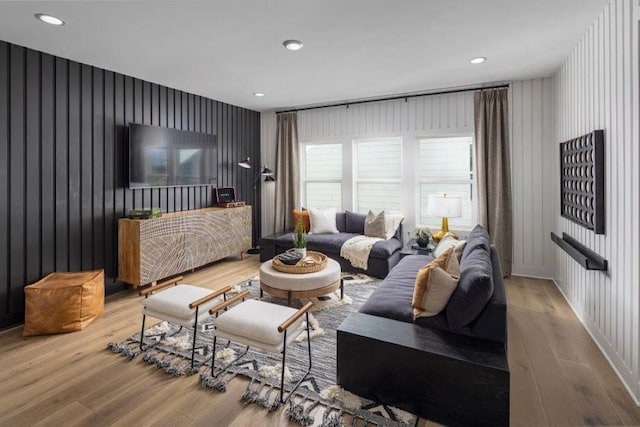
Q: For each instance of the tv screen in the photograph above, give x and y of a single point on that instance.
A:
(163, 157)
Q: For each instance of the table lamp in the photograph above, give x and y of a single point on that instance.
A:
(445, 207)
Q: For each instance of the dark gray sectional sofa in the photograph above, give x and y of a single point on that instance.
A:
(383, 257)
(451, 368)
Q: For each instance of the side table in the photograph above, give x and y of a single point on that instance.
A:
(411, 248)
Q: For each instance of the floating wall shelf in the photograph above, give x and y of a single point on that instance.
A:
(585, 256)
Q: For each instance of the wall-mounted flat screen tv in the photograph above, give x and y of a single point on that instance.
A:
(163, 157)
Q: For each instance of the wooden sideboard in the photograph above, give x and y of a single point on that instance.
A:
(152, 249)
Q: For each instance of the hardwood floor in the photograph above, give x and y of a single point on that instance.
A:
(558, 375)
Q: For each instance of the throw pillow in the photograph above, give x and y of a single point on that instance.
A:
(477, 238)
(475, 288)
(375, 225)
(304, 214)
(434, 285)
(355, 222)
(448, 241)
(392, 222)
(322, 221)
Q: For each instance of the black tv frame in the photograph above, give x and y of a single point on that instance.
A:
(210, 138)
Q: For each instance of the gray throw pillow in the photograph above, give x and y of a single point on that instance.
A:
(477, 238)
(375, 225)
(475, 288)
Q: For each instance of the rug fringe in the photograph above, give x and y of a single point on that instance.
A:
(300, 414)
(210, 382)
(332, 418)
(124, 350)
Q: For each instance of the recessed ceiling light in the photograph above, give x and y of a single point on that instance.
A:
(293, 44)
(478, 60)
(258, 94)
(49, 19)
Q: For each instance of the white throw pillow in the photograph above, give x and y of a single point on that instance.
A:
(449, 241)
(392, 222)
(323, 221)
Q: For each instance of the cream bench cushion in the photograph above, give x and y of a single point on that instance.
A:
(255, 323)
(173, 304)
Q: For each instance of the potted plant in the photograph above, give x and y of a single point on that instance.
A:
(300, 239)
(423, 236)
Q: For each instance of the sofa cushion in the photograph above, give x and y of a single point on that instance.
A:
(392, 298)
(341, 222)
(477, 238)
(354, 222)
(385, 248)
(475, 287)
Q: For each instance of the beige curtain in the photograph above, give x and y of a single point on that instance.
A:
(493, 165)
(287, 170)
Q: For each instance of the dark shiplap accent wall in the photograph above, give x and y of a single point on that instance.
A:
(63, 164)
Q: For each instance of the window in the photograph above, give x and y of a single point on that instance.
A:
(446, 166)
(378, 175)
(322, 176)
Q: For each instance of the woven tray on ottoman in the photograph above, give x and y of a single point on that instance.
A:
(63, 302)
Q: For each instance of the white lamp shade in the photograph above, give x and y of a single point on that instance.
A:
(444, 206)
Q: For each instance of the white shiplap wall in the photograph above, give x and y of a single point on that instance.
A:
(533, 154)
(597, 88)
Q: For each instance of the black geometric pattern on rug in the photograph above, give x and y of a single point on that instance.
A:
(170, 350)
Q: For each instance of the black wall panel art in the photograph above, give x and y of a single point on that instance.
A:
(582, 181)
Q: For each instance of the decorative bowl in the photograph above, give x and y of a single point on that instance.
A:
(290, 258)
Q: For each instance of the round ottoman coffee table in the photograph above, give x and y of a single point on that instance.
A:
(304, 285)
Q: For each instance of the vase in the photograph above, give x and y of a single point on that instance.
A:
(422, 242)
(301, 251)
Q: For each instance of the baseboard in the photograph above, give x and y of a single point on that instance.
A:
(535, 273)
(588, 326)
(532, 276)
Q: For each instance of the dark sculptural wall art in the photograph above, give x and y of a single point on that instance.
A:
(582, 180)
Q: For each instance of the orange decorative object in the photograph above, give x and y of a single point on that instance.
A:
(63, 302)
(306, 222)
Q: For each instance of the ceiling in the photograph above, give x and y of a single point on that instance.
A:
(227, 50)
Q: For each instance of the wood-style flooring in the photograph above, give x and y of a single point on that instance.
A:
(558, 375)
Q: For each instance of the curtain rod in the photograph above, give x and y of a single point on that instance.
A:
(393, 98)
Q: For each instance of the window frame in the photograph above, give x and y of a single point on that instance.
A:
(472, 180)
(303, 171)
(356, 180)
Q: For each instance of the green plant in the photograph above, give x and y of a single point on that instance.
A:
(423, 233)
(300, 236)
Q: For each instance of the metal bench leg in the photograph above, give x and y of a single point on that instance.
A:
(284, 356)
(213, 358)
(195, 333)
(144, 317)
(341, 288)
